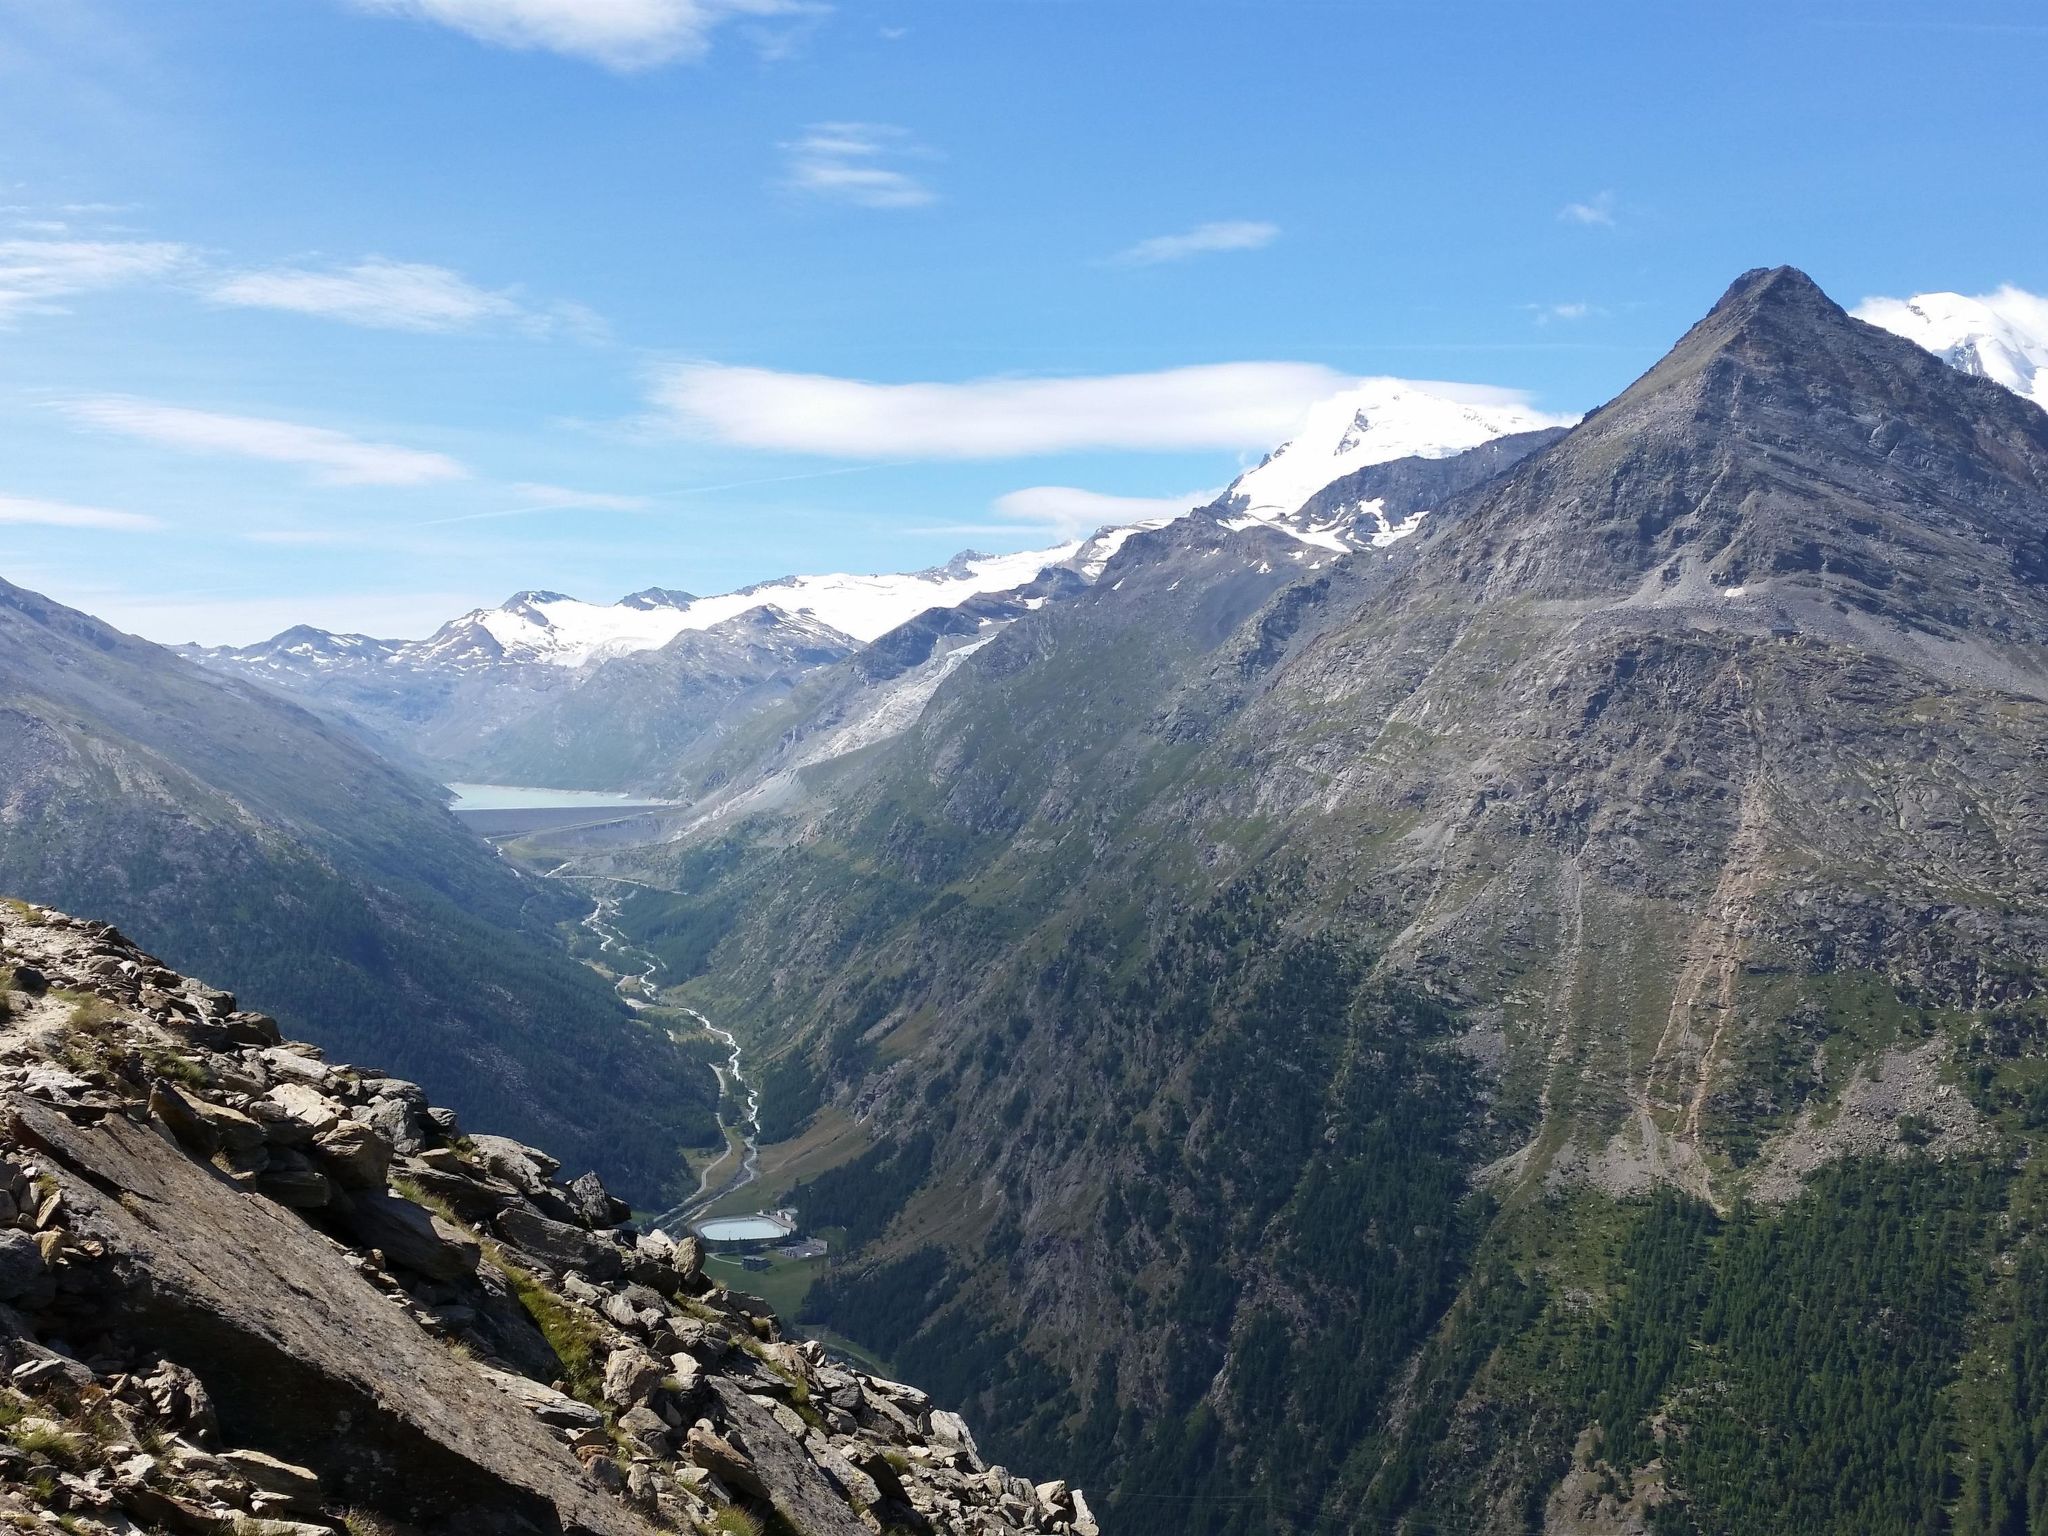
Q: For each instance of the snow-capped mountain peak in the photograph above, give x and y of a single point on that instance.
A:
(1376, 421)
(2001, 336)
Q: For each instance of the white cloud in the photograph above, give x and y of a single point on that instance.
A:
(1597, 210)
(1226, 235)
(35, 273)
(62, 514)
(1069, 511)
(392, 295)
(624, 35)
(852, 163)
(1220, 405)
(334, 457)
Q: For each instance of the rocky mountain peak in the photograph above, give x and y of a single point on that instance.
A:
(1781, 441)
(1783, 286)
(658, 597)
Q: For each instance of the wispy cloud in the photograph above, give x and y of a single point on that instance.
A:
(1597, 211)
(1222, 405)
(313, 538)
(385, 295)
(564, 496)
(858, 163)
(624, 35)
(546, 498)
(335, 458)
(1202, 240)
(63, 514)
(1068, 511)
(36, 274)
(1576, 309)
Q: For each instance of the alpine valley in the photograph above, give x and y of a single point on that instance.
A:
(1489, 979)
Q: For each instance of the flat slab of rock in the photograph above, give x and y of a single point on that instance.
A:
(304, 1359)
(545, 1403)
(559, 1245)
(411, 1237)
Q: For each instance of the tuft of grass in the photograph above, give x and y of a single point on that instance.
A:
(85, 1057)
(732, 1521)
(175, 1067)
(102, 1425)
(90, 1013)
(418, 1194)
(361, 1522)
(60, 1446)
(578, 1343)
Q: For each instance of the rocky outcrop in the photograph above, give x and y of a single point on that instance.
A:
(246, 1289)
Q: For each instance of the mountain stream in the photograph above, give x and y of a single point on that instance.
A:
(636, 970)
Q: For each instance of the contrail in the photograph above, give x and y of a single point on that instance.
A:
(685, 490)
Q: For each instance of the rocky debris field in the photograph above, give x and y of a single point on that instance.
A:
(247, 1291)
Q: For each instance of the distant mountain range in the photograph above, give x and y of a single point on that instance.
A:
(549, 689)
(554, 690)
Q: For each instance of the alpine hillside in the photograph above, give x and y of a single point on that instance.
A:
(1314, 1040)
(236, 832)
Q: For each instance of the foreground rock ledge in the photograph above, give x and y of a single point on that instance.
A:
(246, 1290)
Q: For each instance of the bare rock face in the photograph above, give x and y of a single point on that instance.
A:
(799, 1490)
(292, 1283)
(302, 1357)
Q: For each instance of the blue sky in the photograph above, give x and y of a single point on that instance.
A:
(368, 311)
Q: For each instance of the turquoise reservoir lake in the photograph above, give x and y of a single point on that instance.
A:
(526, 797)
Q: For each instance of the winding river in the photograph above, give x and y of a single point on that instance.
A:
(637, 990)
